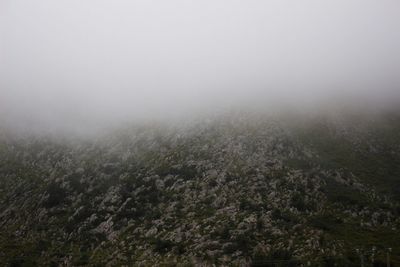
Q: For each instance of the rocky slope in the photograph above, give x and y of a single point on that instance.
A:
(243, 190)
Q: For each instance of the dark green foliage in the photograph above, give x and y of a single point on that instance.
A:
(298, 202)
(326, 222)
(56, 195)
(247, 204)
(82, 259)
(243, 242)
(344, 194)
(373, 160)
(74, 180)
(162, 245)
(274, 258)
(184, 171)
(299, 163)
(287, 217)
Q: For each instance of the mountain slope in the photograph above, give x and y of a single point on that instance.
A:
(234, 190)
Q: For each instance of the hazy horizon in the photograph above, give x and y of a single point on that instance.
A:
(76, 64)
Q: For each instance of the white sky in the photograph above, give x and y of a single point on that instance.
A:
(75, 62)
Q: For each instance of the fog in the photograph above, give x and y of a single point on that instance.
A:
(77, 64)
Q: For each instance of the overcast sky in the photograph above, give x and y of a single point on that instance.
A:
(75, 62)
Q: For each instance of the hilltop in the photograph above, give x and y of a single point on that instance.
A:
(234, 190)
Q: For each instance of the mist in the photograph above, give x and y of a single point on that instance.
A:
(73, 64)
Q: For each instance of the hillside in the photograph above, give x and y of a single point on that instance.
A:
(244, 190)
